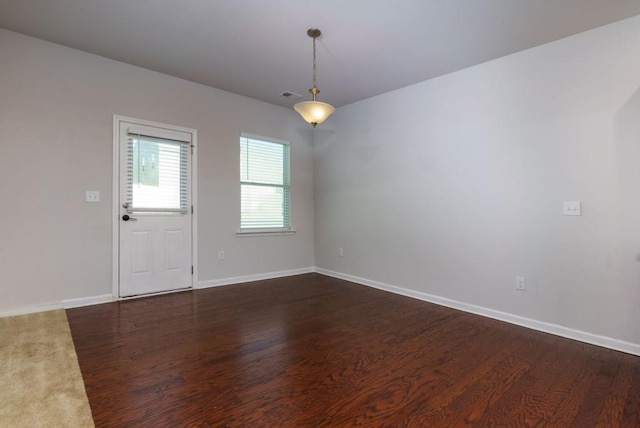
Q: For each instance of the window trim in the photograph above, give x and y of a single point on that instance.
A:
(270, 231)
(242, 233)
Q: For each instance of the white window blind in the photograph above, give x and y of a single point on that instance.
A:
(157, 178)
(264, 184)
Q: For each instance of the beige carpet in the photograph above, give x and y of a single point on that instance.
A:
(40, 380)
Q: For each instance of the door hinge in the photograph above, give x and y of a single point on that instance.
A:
(191, 209)
(191, 270)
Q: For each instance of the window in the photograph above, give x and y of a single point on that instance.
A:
(264, 185)
(157, 174)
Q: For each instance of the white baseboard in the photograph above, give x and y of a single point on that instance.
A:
(255, 277)
(30, 309)
(63, 304)
(558, 330)
(106, 298)
(87, 301)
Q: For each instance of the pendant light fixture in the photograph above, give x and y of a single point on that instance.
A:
(314, 112)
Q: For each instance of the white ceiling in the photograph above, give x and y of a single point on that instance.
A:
(259, 48)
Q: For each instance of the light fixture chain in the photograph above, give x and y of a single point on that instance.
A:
(314, 62)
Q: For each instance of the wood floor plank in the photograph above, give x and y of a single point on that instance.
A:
(317, 351)
(631, 412)
(613, 408)
(592, 405)
(489, 382)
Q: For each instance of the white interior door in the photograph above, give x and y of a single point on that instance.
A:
(155, 219)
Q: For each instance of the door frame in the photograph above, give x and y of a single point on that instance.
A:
(115, 209)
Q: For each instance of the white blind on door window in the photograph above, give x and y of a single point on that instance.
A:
(157, 179)
(264, 182)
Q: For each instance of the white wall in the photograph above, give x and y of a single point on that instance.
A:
(450, 188)
(56, 121)
(453, 187)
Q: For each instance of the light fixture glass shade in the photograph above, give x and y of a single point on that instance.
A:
(314, 112)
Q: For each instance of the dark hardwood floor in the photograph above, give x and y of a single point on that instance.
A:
(316, 351)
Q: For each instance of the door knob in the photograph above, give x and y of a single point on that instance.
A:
(126, 217)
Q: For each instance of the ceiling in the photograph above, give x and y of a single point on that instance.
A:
(259, 48)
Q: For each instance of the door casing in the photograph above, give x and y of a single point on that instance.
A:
(115, 208)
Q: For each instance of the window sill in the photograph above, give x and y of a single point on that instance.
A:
(264, 232)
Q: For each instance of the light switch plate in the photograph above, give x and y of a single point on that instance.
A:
(92, 196)
(572, 208)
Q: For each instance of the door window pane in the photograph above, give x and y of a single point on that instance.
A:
(157, 176)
